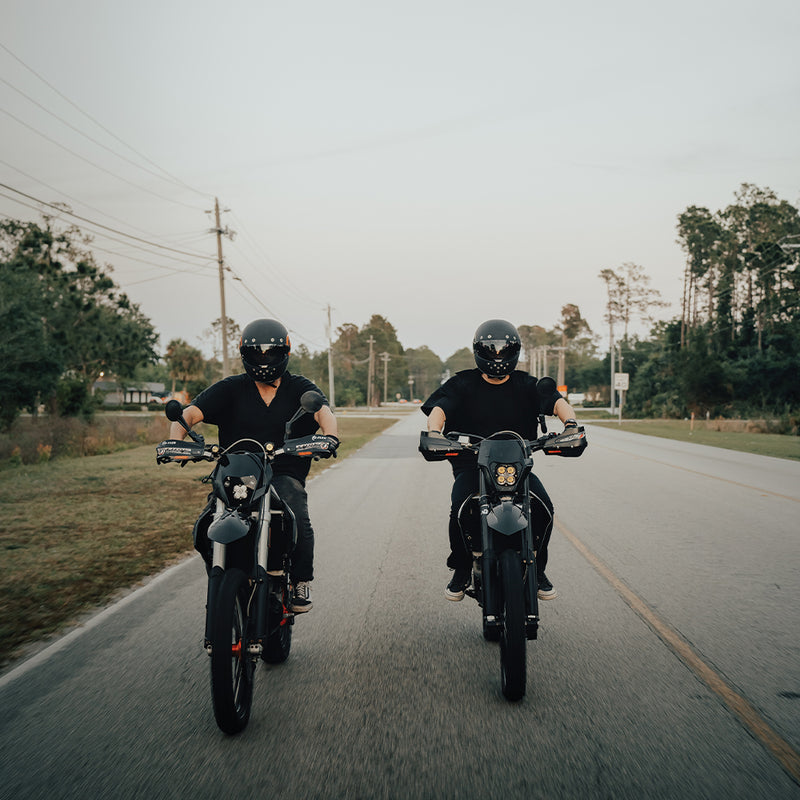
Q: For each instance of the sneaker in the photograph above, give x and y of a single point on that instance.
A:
(462, 576)
(546, 590)
(301, 599)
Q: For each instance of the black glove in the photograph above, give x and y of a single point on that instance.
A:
(334, 443)
(570, 423)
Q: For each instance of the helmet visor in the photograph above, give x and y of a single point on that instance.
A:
(497, 349)
(264, 355)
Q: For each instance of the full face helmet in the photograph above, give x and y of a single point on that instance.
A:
(496, 347)
(265, 349)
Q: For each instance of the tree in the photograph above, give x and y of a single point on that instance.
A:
(426, 369)
(213, 336)
(73, 313)
(460, 360)
(184, 362)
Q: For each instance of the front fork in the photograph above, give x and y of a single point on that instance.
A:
(492, 601)
(260, 594)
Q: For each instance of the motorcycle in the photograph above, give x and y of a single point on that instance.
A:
(497, 526)
(246, 535)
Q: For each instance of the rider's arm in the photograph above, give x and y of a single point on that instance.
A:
(192, 415)
(436, 419)
(564, 411)
(327, 422)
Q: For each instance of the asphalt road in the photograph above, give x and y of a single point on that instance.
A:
(679, 592)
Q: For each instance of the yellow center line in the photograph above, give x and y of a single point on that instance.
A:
(781, 750)
(704, 474)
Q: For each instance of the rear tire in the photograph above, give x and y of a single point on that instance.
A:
(513, 658)
(231, 666)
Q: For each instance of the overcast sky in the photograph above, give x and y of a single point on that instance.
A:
(438, 162)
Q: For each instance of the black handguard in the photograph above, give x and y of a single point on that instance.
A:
(317, 445)
(435, 447)
(571, 443)
(179, 450)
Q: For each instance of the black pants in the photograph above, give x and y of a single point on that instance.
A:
(292, 492)
(465, 485)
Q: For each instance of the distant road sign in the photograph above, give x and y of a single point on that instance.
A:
(621, 381)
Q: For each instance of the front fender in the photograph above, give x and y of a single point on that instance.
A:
(228, 528)
(506, 518)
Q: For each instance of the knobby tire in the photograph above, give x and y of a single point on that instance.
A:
(231, 667)
(513, 659)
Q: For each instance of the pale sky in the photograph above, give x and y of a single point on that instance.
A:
(438, 163)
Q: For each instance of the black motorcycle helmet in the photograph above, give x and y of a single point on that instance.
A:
(264, 348)
(496, 346)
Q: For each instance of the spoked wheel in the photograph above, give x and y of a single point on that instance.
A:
(231, 667)
(512, 639)
(279, 638)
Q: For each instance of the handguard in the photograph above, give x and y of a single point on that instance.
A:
(570, 444)
(316, 446)
(180, 451)
(438, 448)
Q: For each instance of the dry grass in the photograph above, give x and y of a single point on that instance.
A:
(75, 531)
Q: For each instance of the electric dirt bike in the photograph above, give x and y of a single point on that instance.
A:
(497, 525)
(247, 535)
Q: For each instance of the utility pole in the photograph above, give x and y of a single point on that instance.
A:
(331, 397)
(385, 357)
(370, 371)
(220, 231)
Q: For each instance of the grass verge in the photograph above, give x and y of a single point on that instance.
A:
(765, 444)
(76, 531)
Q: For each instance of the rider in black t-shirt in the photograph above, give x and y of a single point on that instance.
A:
(257, 405)
(482, 401)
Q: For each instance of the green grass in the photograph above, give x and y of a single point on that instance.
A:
(765, 444)
(74, 531)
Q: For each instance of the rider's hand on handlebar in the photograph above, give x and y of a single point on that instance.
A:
(436, 433)
(334, 443)
(570, 423)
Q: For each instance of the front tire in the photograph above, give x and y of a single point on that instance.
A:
(279, 638)
(513, 658)
(231, 666)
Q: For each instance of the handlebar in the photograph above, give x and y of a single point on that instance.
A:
(570, 443)
(182, 452)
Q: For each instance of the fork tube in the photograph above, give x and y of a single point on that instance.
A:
(490, 604)
(262, 556)
(529, 560)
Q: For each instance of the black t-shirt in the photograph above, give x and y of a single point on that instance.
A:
(235, 406)
(472, 405)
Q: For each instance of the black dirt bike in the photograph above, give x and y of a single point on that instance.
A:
(250, 534)
(497, 525)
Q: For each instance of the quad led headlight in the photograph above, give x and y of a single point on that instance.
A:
(505, 474)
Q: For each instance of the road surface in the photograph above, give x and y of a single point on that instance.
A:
(666, 668)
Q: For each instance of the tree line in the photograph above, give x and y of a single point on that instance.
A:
(731, 351)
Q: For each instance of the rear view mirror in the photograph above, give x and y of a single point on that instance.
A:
(312, 402)
(174, 411)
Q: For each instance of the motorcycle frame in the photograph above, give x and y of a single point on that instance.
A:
(259, 575)
(489, 498)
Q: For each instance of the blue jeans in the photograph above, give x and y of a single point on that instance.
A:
(292, 492)
(465, 485)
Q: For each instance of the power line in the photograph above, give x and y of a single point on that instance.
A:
(105, 227)
(100, 125)
(96, 166)
(74, 199)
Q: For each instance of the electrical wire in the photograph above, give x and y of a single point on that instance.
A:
(104, 227)
(100, 125)
(96, 166)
